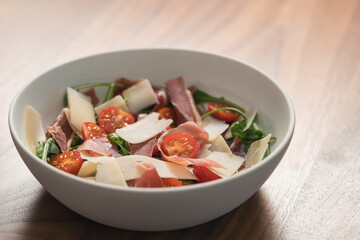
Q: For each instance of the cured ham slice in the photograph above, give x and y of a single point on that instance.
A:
(94, 147)
(77, 131)
(145, 148)
(189, 128)
(201, 137)
(126, 84)
(162, 97)
(62, 132)
(182, 100)
(92, 94)
(150, 178)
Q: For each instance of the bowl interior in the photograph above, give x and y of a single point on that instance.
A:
(218, 75)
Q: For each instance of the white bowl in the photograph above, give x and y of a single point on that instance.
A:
(169, 208)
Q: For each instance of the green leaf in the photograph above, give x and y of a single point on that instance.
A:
(47, 149)
(76, 142)
(201, 97)
(122, 145)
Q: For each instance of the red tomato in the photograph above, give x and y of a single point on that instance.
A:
(181, 145)
(92, 130)
(171, 182)
(112, 118)
(224, 115)
(166, 113)
(69, 162)
(204, 174)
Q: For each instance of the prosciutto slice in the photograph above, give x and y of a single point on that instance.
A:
(150, 178)
(126, 84)
(183, 102)
(192, 129)
(98, 147)
(61, 131)
(145, 148)
(162, 98)
(91, 93)
(201, 137)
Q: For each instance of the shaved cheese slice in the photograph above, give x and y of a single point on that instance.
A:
(81, 109)
(144, 129)
(117, 101)
(32, 129)
(228, 134)
(140, 96)
(110, 173)
(213, 127)
(133, 170)
(204, 151)
(88, 169)
(256, 151)
(101, 159)
(90, 178)
(231, 163)
(77, 131)
(220, 145)
(250, 115)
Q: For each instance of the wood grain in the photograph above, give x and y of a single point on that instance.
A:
(312, 48)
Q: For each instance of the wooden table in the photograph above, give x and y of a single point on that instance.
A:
(312, 47)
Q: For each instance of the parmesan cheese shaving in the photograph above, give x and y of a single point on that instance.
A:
(77, 131)
(88, 169)
(140, 96)
(230, 161)
(81, 109)
(256, 151)
(117, 101)
(213, 127)
(32, 129)
(132, 170)
(110, 173)
(220, 145)
(250, 115)
(144, 129)
(204, 151)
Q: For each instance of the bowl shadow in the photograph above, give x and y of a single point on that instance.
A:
(49, 219)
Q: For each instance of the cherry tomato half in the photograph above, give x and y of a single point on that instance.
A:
(112, 118)
(204, 174)
(224, 115)
(166, 113)
(181, 145)
(156, 148)
(69, 162)
(92, 130)
(171, 182)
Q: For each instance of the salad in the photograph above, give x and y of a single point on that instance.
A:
(142, 135)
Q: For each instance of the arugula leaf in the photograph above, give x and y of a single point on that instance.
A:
(122, 145)
(201, 97)
(109, 94)
(47, 149)
(76, 142)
